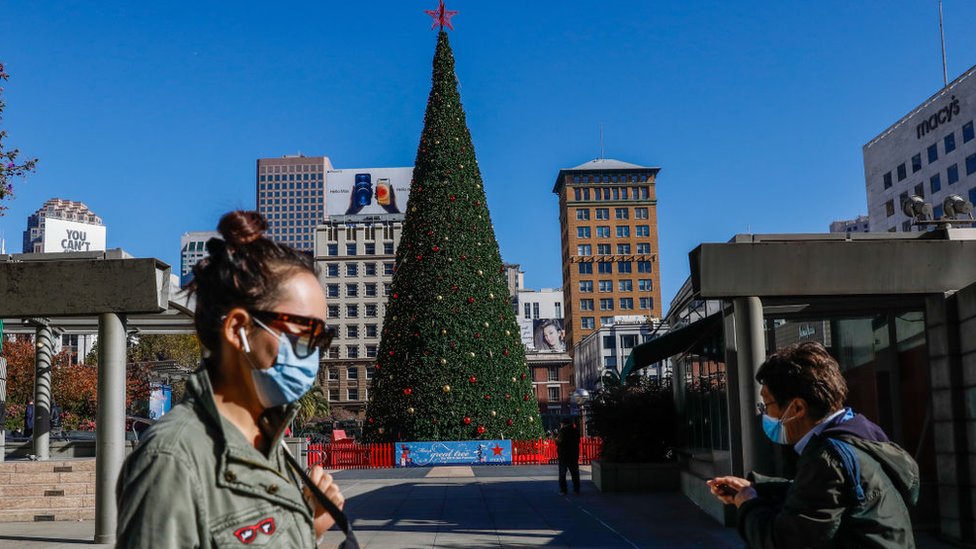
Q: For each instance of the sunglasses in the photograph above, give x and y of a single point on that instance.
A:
(315, 335)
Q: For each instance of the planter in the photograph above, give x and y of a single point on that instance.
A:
(636, 477)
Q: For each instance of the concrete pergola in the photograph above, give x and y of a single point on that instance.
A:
(110, 293)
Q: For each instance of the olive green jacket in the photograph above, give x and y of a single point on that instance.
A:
(819, 508)
(196, 481)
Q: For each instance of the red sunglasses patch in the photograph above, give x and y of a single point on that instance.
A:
(247, 534)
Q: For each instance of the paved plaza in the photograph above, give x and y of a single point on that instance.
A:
(480, 507)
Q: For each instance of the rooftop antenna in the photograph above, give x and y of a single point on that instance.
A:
(602, 153)
(945, 70)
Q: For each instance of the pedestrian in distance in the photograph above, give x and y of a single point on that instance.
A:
(567, 449)
(853, 486)
(29, 418)
(213, 472)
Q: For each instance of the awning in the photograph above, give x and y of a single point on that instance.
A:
(672, 343)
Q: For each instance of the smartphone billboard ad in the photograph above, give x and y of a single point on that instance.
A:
(69, 236)
(367, 191)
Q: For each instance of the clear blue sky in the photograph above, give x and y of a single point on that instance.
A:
(153, 113)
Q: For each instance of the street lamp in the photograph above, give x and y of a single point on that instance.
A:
(581, 396)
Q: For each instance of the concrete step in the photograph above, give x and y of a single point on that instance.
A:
(47, 490)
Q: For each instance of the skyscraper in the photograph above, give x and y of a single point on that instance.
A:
(291, 196)
(608, 221)
(76, 214)
(193, 248)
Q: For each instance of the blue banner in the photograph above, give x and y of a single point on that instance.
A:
(470, 452)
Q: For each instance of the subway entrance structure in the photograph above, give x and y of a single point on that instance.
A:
(109, 292)
(898, 312)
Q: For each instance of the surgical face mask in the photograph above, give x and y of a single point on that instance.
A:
(774, 428)
(289, 378)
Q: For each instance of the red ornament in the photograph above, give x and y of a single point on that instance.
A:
(408, 391)
(436, 248)
(472, 379)
(481, 429)
(487, 397)
(523, 376)
(371, 420)
(509, 422)
(453, 198)
(464, 257)
(525, 398)
(505, 352)
(391, 353)
(420, 258)
(467, 421)
(395, 296)
(477, 335)
(470, 300)
(508, 396)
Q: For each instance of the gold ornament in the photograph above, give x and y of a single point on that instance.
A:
(508, 333)
(493, 413)
(446, 239)
(470, 354)
(481, 273)
(413, 209)
(410, 410)
(491, 295)
(485, 324)
(531, 419)
(443, 332)
(514, 380)
(450, 260)
(440, 298)
(446, 388)
(443, 361)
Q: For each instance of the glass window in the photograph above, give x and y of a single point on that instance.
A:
(645, 284)
(643, 230)
(626, 285)
(606, 321)
(559, 309)
(643, 266)
(351, 249)
(586, 286)
(552, 373)
(609, 361)
(626, 303)
(971, 164)
(369, 269)
(640, 213)
(582, 232)
(606, 304)
(952, 174)
(643, 248)
(603, 213)
(628, 341)
(371, 310)
(585, 268)
(334, 372)
(333, 270)
(920, 190)
(388, 248)
(535, 311)
(333, 249)
(604, 267)
(584, 249)
(352, 290)
(609, 342)
(370, 248)
(890, 208)
(352, 331)
(577, 194)
(623, 249)
(553, 393)
(647, 303)
(586, 304)
(370, 353)
(333, 395)
(902, 173)
(583, 214)
(371, 330)
(603, 249)
(353, 393)
(527, 310)
(603, 231)
(935, 184)
(388, 268)
(623, 231)
(371, 289)
(606, 285)
(333, 311)
(352, 269)
(622, 213)
(933, 152)
(967, 132)
(625, 267)
(917, 163)
(352, 311)
(949, 142)
(587, 323)
(332, 290)
(352, 351)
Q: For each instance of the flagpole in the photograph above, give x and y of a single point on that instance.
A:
(945, 70)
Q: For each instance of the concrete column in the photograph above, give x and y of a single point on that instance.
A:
(110, 435)
(3, 400)
(750, 342)
(44, 349)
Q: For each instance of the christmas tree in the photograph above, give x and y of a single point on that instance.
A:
(451, 364)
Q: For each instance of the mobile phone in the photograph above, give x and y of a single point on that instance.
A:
(362, 190)
(383, 191)
(726, 490)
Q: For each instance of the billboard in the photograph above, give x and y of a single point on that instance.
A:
(471, 452)
(160, 400)
(69, 236)
(367, 191)
(548, 334)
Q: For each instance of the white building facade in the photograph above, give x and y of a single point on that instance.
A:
(930, 152)
(860, 224)
(607, 349)
(193, 248)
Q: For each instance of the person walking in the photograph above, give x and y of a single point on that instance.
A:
(213, 472)
(567, 449)
(29, 418)
(853, 486)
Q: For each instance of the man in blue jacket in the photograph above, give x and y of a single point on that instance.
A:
(853, 485)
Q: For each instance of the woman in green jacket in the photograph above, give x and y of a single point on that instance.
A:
(213, 472)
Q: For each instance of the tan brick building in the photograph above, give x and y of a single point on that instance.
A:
(608, 222)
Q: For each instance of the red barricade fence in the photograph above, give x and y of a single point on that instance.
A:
(346, 454)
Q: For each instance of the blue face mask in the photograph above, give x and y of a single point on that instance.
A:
(774, 429)
(289, 378)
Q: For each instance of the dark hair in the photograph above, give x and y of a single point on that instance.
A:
(244, 269)
(805, 370)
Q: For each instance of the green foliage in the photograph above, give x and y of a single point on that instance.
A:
(10, 166)
(313, 405)
(636, 420)
(451, 364)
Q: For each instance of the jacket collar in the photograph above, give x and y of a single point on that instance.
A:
(274, 420)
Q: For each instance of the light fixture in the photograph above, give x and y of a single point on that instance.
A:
(917, 209)
(956, 206)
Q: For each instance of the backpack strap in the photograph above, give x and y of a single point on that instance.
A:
(851, 464)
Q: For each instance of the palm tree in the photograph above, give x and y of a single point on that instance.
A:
(312, 405)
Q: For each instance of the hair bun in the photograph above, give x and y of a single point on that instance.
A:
(240, 228)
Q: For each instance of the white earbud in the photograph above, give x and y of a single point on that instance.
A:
(244, 342)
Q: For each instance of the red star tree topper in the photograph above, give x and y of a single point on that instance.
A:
(442, 17)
